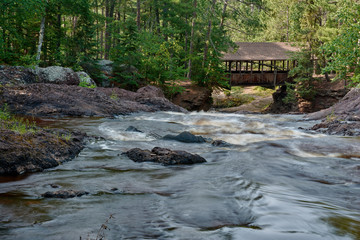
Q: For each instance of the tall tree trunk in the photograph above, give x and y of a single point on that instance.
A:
(110, 6)
(41, 37)
(192, 39)
(138, 16)
(208, 35)
(223, 14)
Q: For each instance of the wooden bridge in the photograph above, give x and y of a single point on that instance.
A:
(259, 63)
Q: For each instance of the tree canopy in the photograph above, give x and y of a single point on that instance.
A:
(171, 40)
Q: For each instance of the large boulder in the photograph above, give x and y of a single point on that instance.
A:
(164, 156)
(58, 75)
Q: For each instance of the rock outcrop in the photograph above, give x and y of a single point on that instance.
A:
(34, 152)
(163, 156)
(63, 100)
(343, 118)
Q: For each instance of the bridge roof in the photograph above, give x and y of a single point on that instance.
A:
(255, 51)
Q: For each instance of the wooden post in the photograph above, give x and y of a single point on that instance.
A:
(236, 64)
(247, 66)
(259, 65)
(230, 73)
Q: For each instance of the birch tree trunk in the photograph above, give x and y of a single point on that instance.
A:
(41, 37)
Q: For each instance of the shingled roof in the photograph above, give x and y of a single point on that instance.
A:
(255, 51)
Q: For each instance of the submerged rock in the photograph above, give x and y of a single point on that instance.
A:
(164, 156)
(64, 194)
(185, 137)
(133, 129)
(220, 143)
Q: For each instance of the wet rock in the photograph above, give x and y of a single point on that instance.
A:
(133, 129)
(164, 156)
(34, 152)
(185, 137)
(64, 194)
(220, 143)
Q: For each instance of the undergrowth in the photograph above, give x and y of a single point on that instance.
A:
(16, 124)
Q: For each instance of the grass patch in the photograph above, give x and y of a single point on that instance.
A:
(16, 124)
(234, 98)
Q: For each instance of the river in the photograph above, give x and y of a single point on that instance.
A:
(275, 181)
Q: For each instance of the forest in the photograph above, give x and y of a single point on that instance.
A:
(168, 41)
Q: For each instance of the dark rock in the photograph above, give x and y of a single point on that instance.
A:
(220, 143)
(278, 105)
(163, 156)
(327, 94)
(132, 129)
(64, 194)
(17, 75)
(185, 137)
(194, 98)
(34, 152)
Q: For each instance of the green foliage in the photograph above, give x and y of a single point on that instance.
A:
(127, 57)
(343, 53)
(302, 73)
(84, 83)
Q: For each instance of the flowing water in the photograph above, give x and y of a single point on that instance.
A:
(275, 182)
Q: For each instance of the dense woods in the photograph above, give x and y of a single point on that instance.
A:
(170, 40)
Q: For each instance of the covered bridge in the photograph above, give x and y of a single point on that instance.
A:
(259, 63)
